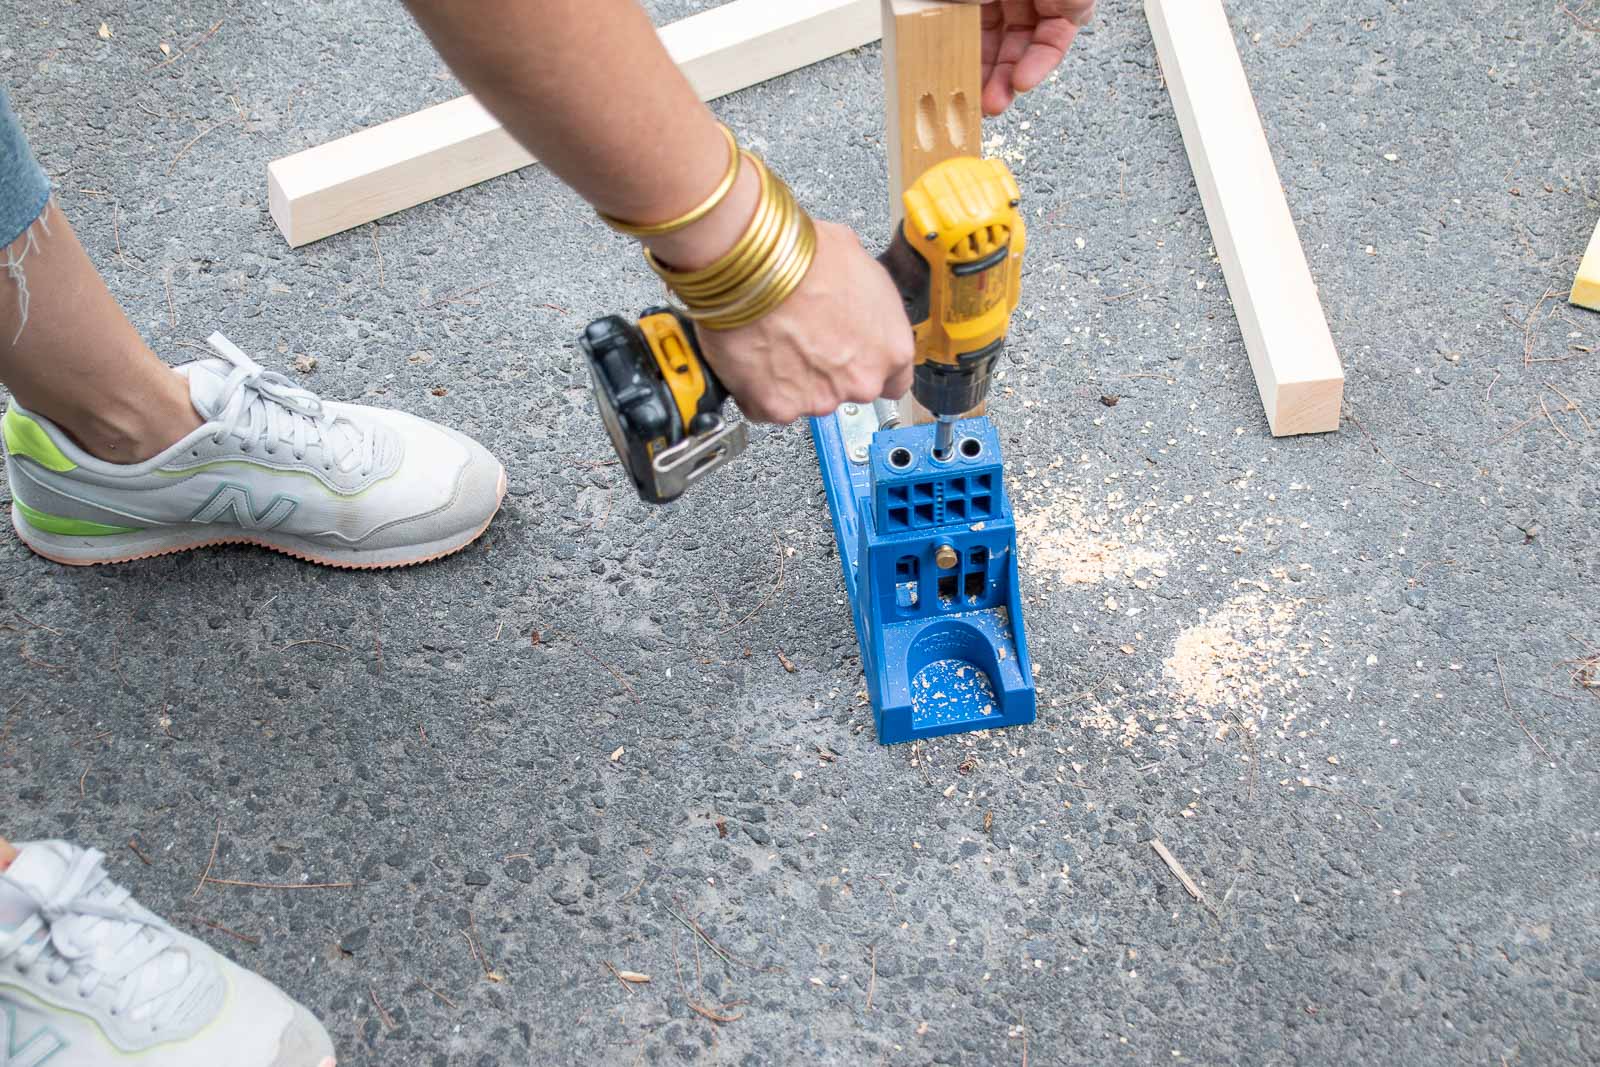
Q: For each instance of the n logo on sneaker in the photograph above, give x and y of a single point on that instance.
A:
(236, 500)
(38, 1049)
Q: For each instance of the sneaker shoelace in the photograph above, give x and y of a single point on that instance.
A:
(89, 930)
(258, 405)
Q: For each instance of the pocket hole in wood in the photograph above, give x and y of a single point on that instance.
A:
(955, 120)
(927, 122)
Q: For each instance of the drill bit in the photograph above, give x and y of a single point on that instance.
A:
(944, 437)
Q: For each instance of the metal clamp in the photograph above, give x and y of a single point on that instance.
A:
(680, 466)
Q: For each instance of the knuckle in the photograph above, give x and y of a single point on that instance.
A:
(756, 408)
(865, 387)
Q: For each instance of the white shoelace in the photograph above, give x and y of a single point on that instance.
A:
(90, 930)
(258, 405)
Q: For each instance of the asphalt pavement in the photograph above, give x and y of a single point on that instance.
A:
(1339, 677)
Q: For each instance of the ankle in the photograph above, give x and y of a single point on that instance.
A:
(7, 854)
(122, 431)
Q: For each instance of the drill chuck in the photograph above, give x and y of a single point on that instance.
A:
(952, 388)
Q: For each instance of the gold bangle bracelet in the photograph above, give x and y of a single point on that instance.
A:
(736, 260)
(759, 255)
(787, 268)
(780, 285)
(745, 252)
(764, 267)
(735, 300)
(693, 215)
(781, 290)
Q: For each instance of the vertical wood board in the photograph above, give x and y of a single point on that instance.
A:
(932, 89)
(932, 93)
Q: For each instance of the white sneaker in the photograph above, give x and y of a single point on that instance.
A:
(274, 465)
(88, 978)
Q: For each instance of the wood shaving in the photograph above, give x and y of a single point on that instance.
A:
(1237, 656)
(1064, 543)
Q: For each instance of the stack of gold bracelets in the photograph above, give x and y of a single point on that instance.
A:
(763, 267)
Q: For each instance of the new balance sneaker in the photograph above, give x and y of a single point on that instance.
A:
(88, 978)
(274, 465)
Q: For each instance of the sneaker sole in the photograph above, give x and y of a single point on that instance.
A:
(79, 551)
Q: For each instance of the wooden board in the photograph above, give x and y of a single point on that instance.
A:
(388, 168)
(932, 90)
(441, 149)
(1586, 288)
(1285, 331)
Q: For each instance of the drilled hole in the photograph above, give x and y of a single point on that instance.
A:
(955, 119)
(927, 123)
(971, 447)
(900, 458)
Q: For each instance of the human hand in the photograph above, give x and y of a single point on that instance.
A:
(1023, 41)
(841, 336)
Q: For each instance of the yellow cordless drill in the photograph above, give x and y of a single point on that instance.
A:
(957, 261)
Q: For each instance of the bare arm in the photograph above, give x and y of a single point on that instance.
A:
(588, 88)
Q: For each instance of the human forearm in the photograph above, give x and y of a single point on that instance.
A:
(588, 88)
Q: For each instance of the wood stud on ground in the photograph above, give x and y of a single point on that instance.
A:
(1586, 287)
(1285, 331)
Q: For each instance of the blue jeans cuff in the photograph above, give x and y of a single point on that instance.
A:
(24, 189)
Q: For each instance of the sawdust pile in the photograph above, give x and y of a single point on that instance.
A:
(1237, 672)
(1064, 543)
(1240, 660)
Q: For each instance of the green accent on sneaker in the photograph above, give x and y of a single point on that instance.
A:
(227, 464)
(24, 437)
(70, 527)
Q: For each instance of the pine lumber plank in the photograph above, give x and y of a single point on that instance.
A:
(932, 99)
(387, 168)
(1286, 333)
(932, 91)
(448, 147)
(1586, 287)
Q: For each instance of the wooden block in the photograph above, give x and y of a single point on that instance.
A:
(388, 168)
(932, 92)
(1291, 350)
(1586, 289)
(932, 100)
(442, 149)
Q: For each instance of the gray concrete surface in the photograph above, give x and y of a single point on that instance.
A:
(1395, 871)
